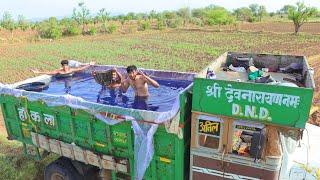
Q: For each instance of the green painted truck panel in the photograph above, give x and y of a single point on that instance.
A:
(78, 126)
(279, 105)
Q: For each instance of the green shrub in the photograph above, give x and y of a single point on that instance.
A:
(144, 25)
(252, 19)
(160, 24)
(218, 16)
(103, 28)
(174, 23)
(72, 29)
(197, 21)
(92, 30)
(111, 28)
(50, 29)
(34, 26)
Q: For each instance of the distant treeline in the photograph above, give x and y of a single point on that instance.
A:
(83, 22)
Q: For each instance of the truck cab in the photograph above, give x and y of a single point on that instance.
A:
(245, 129)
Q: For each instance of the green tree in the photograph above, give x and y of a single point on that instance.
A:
(262, 11)
(198, 13)
(243, 14)
(285, 9)
(185, 14)
(22, 23)
(300, 14)
(50, 29)
(169, 18)
(140, 16)
(218, 16)
(65, 21)
(81, 15)
(145, 25)
(318, 13)
(255, 9)
(130, 16)
(92, 30)
(160, 24)
(34, 25)
(103, 16)
(71, 28)
(196, 21)
(153, 15)
(169, 15)
(174, 23)
(8, 23)
(111, 28)
(271, 14)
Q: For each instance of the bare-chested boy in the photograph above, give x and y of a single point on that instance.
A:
(65, 69)
(139, 83)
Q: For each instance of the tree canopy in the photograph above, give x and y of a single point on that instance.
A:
(300, 14)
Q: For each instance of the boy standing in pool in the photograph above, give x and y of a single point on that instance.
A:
(111, 80)
(139, 83)
(116, 79)
(65, 69)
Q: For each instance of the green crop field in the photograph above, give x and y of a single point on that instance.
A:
(180, 50)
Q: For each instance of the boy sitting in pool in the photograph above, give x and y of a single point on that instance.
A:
(139, 83)
(65, 69)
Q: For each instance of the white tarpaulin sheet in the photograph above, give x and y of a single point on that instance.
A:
(307, 155)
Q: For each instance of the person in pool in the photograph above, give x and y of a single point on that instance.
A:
(139, 83)
(111, 79)
(116, 79)
(65, 69)
(116, 96)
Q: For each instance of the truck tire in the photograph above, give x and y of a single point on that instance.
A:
(61, 169)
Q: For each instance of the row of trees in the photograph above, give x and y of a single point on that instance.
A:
(82, 21)
(252, 13)
(7, 22)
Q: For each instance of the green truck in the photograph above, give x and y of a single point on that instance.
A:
(219, 126)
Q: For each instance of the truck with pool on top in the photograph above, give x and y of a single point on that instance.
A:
(241, 117)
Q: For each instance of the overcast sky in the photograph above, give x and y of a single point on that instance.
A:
(32, 9)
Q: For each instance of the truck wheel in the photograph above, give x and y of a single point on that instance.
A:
(61, 169)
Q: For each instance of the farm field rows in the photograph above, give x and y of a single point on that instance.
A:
(180, 50)
(281, 27)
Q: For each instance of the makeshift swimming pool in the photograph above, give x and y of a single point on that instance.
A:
(82, 92)
(83, 85)
(81, 98)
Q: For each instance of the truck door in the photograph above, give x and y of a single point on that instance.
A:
(206, 147)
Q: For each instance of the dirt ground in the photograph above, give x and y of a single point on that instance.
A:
(280, 27)
(315, 118)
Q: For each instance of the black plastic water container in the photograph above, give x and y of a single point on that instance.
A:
(33, 86)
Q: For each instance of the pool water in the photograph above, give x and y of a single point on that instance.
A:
(83, 85)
